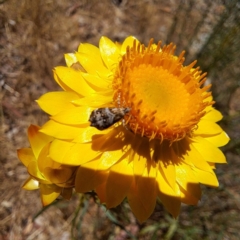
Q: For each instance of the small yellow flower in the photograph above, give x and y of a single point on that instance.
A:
(165, 145)
(50, 177)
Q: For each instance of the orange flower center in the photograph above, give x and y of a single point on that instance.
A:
(166, 99)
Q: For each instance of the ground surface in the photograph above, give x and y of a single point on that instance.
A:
(34, 35)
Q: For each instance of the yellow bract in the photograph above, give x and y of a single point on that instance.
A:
(50, 177)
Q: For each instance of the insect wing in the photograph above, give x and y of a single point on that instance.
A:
(103, 118)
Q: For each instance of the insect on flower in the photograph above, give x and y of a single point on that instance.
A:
(103, 118)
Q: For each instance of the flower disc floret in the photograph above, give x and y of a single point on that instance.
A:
(166, 99)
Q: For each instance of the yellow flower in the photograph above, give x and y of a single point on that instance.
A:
(50, 177)
(167, 140)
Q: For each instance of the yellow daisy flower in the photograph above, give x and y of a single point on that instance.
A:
(52, 178)
(159, 135)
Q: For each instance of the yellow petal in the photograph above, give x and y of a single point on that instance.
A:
(37, 139)
(109, 158)
(172, 204)
(30, 184)
(188, 182)
(77, 134)
(88, 177)
(167, 167)
(91, 60)
(140, 155)
(207, 128)
(208, 151)
(164, 187)
(35, 173)
(186, 195)
(169, 197)
(59, 149)
(61, 131)
(74, 80)
(58, 176)
(44, 160)
(206, 178)
(73, 154)
(128, 42)
(218, 140)
(139, 164)
(98, 83)
(115, 138)
(208, 99)
(118, 183)
(55, 102)
(61, 83)
(70, 59)
(142, 195)
(118, 45)
(26, 156)
(95, 100)
(212, 165)
(77, 115)
(101, 192)
(109, 52)
(49, 192)
(213, 115)
(195, 157)
(87, 133)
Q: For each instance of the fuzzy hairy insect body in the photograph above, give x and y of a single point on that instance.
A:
(103, 118)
